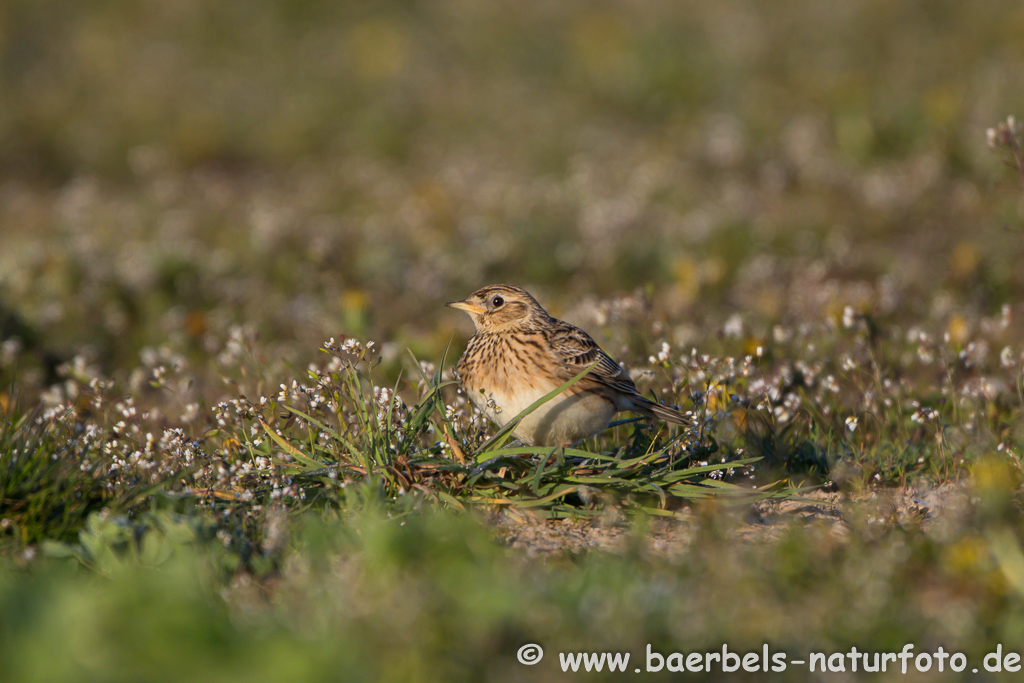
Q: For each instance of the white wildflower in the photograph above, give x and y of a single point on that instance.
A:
(849, 317)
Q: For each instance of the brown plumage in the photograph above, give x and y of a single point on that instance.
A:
(520, 353)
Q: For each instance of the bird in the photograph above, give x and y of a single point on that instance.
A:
(520, 353)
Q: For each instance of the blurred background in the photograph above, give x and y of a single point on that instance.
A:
(170, 171)
(196, 194)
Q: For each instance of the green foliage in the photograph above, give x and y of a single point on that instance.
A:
(48, 486)
(431, 596)
(353, 432)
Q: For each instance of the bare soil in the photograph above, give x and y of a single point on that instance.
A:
(935, 510)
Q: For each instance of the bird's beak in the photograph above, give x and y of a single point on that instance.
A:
(466, 306)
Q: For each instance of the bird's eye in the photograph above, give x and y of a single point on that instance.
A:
(497, 301)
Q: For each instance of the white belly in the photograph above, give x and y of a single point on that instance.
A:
(563, 420)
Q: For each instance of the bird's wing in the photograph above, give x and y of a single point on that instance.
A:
(577, 350)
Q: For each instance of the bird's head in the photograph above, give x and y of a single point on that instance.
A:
(500, 307)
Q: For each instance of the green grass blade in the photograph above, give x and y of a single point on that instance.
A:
(308, 462)
(545, 499)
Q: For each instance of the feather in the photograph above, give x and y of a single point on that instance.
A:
(576, 349)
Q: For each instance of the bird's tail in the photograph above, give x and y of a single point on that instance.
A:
(661, 412)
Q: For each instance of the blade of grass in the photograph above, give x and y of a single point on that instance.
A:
(330, 432)
(310, 463)
(546, 499)
(452, 501)
(691, 471)
(540, 469)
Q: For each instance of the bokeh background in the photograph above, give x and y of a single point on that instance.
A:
(196, 194)
(171, 170)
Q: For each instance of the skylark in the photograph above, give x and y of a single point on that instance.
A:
(520, 353)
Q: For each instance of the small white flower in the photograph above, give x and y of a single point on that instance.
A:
(733, 326)
(849, 317)
(924, 414)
